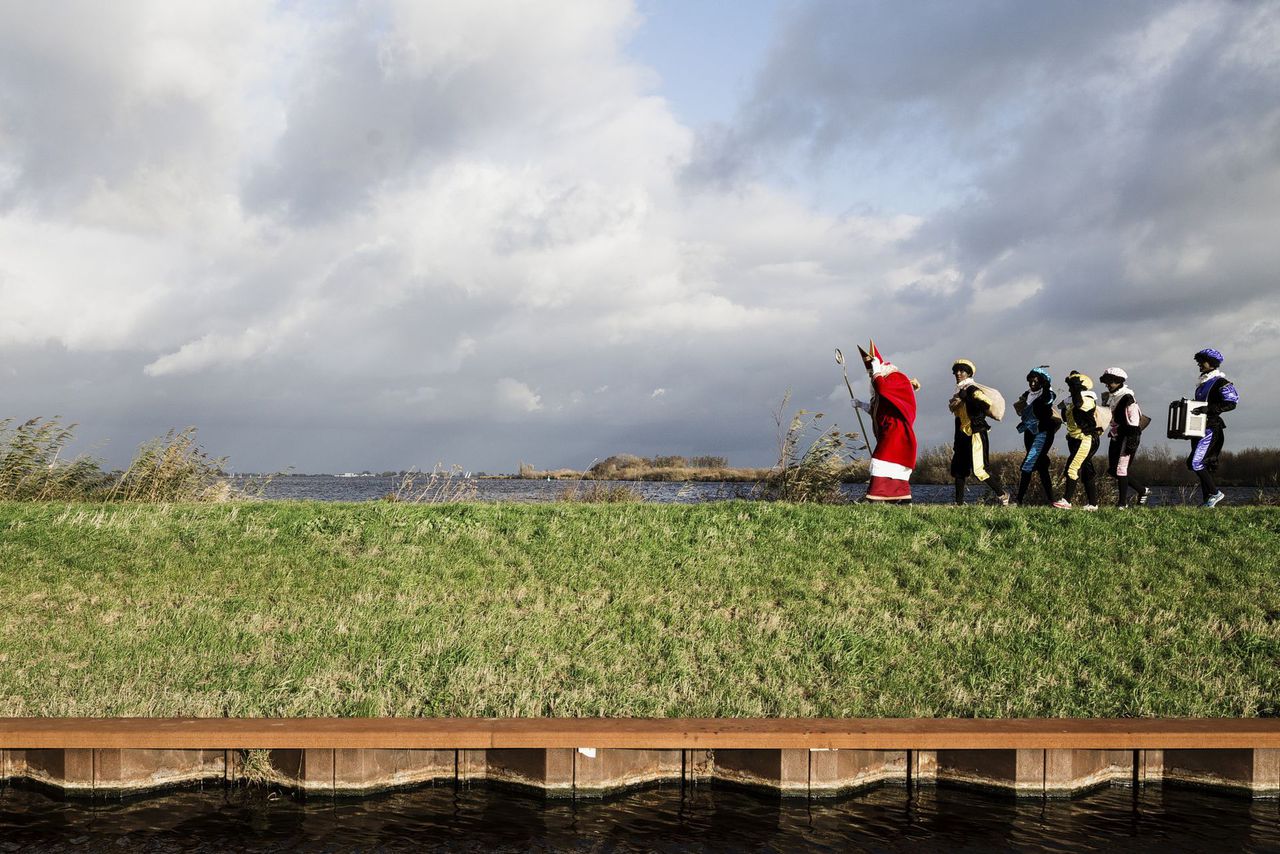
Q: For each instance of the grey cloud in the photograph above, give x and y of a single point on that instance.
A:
(74, 114)
(352, 124)
(364, 111)
(387, 287)
(1140, 190)
(912, 75)
(1083, 175)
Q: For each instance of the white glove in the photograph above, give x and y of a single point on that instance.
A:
(861, 404)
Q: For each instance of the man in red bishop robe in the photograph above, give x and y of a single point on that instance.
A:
(893, 416)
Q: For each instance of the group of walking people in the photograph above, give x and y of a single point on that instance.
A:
(1086, 417)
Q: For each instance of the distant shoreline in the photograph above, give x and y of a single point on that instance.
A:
(1251, 467)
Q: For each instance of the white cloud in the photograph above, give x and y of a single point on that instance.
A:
(515, 396)
(209, 350)
(992, 298)
(85, 287)
(698, 314)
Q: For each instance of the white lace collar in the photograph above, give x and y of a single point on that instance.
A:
(1118, 395)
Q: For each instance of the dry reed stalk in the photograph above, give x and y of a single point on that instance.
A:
(442, 486)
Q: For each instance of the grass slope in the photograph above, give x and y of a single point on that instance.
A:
(724, 609)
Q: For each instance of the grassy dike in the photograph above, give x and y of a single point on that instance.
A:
(723, 609)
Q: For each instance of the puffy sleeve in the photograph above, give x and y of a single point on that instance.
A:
(1086, 415)
(1128, 415)
(976, 395)
(1223, 398)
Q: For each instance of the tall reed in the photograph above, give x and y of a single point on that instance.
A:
(439, 486)
(812, 459)
(595, 492)
(32, 468)
(173, 468)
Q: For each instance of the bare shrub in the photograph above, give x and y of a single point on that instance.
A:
(1250, 467)
(1167, 466)
(528, 472)
(610, 466)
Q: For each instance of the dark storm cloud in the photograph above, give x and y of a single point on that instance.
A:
(1115, 170)
(397, 233)
(1100, 138)
(913, 75)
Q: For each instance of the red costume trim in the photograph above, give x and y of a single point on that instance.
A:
(893, 415)
(888, 489)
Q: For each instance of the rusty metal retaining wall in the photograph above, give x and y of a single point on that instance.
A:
(595, 757)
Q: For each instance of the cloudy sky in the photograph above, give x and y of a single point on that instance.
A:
(343, 236)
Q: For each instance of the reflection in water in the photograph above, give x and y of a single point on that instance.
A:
(701, 818)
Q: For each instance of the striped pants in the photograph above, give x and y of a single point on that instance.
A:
(1080, 468)
(1205, 451)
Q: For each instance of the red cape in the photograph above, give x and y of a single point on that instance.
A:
(893, 416)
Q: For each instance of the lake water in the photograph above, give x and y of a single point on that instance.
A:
(700, 818)
(335, 488)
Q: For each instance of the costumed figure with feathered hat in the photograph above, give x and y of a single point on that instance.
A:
(893, 415)
(1216, 395)
(972, 405)
(1038, 424)
(1080, 414)
(1125, 435)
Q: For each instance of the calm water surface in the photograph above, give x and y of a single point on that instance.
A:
(702, 818)
(333, 488)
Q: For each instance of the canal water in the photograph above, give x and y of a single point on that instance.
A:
(701, 818)
(336, 488)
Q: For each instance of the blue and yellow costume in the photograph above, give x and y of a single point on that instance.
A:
(1038, 426)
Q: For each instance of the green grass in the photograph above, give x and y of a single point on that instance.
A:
(724, 609)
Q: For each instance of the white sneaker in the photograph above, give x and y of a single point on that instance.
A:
(1214, 499)
(1090, 507)
(1062, 504)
